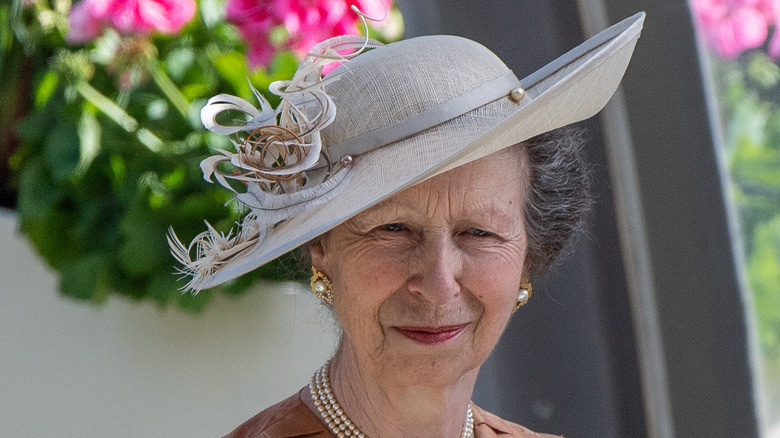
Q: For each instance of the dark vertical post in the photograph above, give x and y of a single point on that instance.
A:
(696, 269)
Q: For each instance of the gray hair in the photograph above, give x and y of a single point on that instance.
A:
(558, 194)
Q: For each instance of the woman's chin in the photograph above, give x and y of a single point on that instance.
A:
(429, 358)
(431, 372)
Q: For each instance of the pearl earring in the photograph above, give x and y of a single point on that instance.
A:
(523, 295)
(321, 286)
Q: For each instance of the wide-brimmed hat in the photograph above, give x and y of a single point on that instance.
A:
(382, 121)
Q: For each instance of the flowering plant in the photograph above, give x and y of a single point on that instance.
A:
(305, 23)
(744, 37)
(89, 18)
(734, 26)
(106, 133)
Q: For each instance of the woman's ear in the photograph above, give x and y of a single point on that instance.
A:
(526, 275)
(316, 250)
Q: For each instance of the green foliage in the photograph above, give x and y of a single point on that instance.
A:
(111, 146)
(750, 108)
(764, 273)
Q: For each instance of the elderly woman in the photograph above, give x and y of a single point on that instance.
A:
(423, 180)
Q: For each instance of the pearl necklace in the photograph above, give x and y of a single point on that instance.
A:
(335, 417)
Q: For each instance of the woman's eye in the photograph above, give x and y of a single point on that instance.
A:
(479, 233)
(397, 226)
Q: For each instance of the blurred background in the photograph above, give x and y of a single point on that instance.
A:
(663, 320)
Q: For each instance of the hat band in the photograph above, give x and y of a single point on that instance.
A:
(457, 106)
(471, 100)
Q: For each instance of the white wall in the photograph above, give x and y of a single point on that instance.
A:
(130, 370)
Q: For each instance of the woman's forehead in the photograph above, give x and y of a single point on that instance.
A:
(490, 186)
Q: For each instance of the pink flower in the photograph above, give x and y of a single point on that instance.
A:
(84, 26)
(771, 10)
(88, 18)
(743, 29)
(254, 20)
(260, 53)
(253, 13)
(732, 26)
(308, 22)
(374, 9)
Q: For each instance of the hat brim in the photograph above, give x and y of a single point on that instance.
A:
(572, 88)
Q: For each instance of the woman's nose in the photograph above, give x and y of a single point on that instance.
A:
(435, 274)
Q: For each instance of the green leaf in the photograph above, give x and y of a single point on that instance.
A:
(179, 61)
(157, 109)
(764, 274)
(231, 66)
(763, 70)
(38, 197)
(48, 234)
(85, 278)
(46, 88)
(283, 66)
(6, 34)
(278, 35)
(143, 249)
(212, 12)
(195, 91)
(163, 288)
(62, 150)
(143, 246)
(175, 178)
(195, 303)
(89, 140)
(117, 170)
(33, 128)
(748, 121)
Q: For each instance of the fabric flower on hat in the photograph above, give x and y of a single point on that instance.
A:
(88, 18)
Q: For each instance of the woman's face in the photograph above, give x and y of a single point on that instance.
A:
(425, 282)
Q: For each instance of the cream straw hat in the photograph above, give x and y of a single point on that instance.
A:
(385, 119)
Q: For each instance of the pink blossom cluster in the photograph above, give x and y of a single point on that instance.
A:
(307, 22)
(732, 26)
(88, 18)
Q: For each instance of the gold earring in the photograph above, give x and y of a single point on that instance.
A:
(523, 295)
(321, 286)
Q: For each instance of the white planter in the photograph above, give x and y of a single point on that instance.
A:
(127, 369)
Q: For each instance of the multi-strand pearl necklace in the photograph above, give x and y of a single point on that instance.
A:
(335, 417)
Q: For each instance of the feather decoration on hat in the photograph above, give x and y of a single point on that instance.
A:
(279, 159)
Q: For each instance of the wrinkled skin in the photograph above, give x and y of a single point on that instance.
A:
(423, 285)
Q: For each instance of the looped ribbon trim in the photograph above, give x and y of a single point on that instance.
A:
(274, 150)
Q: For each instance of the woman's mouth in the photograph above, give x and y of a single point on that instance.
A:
(432, 335)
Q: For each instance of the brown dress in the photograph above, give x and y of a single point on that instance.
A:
(292, 418)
